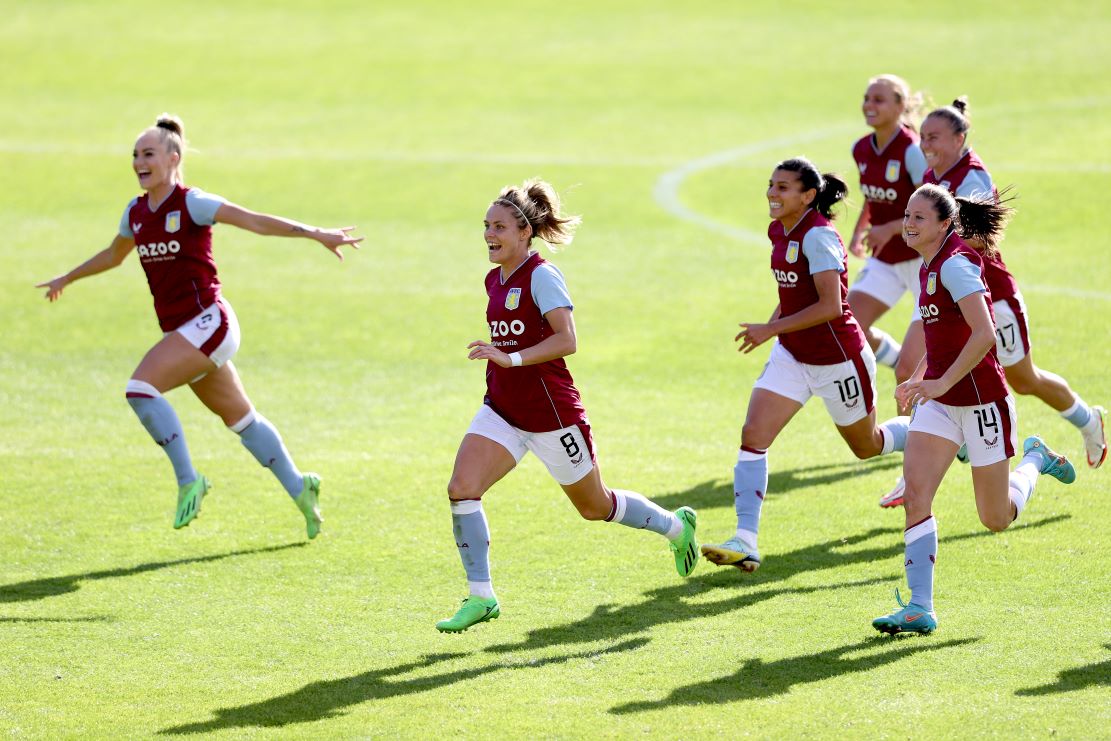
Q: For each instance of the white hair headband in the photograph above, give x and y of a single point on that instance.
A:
(514, 205)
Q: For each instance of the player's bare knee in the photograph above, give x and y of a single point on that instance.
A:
(752, 437)
(594, 511)
(997, 523)
(1022, 384)
(459, 489)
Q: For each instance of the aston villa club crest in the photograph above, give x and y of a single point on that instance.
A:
(513, 299)
(173, 221)
(892, 171)
(931, 283)
(863, 166)
(792, 251)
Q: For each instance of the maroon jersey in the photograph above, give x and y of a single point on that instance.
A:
(969, 178)
(888, 183)
(813, 245)
(947, 332)
(176, 254)
(534, 398)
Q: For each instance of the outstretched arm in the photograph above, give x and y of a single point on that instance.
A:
(106, 259)
(276, 226)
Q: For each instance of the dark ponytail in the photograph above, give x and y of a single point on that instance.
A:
(831, 188)
(980, 221)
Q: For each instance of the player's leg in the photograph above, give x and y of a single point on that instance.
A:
(874, 292)
(167, 365)
(1026, 378)
(914, 349)
(930, 449)
(490, 449)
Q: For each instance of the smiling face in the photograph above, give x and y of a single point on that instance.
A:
(152, 161)
(881, 106)
(787, 201)
(923, 227)
(507, 243)
(940, 144)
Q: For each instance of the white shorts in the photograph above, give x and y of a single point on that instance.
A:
(568, 453)
(1012, 335)
(215, 332)
(887, 282)
(848, 389)
(989, 430)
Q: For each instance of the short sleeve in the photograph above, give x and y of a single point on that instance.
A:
(977, 184)
(961, 277)
(549, 289)
(202, 206)
(915, 163)
(823, 249)
(125, 220)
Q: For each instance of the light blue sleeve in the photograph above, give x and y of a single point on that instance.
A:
(915, 163)
(961, 278)
(202, 206)
(125, 225)
(977, 184)
(824, 250)
(549, 289)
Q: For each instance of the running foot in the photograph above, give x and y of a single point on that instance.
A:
(894, 498)
(685, 547)
(733, 552)
(1054, 465)
(475, 610)
(308, 502)
(1095, 442)
(189, 501)
(909, 619)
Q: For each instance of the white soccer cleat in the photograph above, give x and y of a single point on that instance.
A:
(1095, 441)
(894, 498)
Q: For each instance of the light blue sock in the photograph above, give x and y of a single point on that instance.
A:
(162, 423)
(260, 437)
(921, 554)
(750, 484)
(472, 539)
(1078, 414)
(634, 510)
(894, 434)
(888, 351)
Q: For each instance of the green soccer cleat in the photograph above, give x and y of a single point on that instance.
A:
(474, 610)
(910, 618)
(733, 552)
(1054, 465)
(189, 501)
(685, 547)
(308, 501)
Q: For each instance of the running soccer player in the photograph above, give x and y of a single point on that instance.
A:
(958, 393)
(531, 401)
(820, 349)
(891, 166)
(170, 226)
(954, 166)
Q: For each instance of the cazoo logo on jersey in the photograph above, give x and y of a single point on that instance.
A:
(876, 193)
(504, 329)
(159, 248)
(786, 277)
(928, 311)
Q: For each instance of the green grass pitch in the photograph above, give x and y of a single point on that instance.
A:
(406, 118)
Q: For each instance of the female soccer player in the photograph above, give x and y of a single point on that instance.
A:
(170, 226)
(531, 401)
(820, 350)
(891, 166)
(958, 392)
(954, 166)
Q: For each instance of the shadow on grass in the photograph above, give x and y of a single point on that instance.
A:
(26, 591)
(672, 604)
(95, 619)
(321, 700)
(757, 679)
(711, 494)
(1070, 680)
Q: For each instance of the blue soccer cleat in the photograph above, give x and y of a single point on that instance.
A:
(1054, 465)
(962, 454)
(910, 618)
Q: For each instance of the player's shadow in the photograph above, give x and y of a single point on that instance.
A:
(1070, 680)
(710, 494)
(687, 600)
(758, 679)
(34, 589)
(326, 699)
(93, 619)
